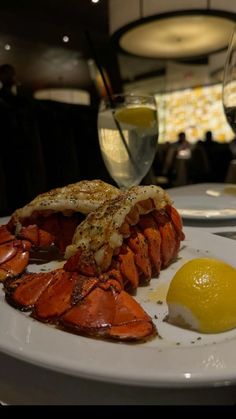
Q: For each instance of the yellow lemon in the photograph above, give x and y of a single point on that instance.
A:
(202, 296)
(140, 117)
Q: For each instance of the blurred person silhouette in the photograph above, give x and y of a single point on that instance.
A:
(219, 156)
(180, 150)
(181, 164)
(208, 142)
(199, 168)
(8, 89)
(209, 146)
(182, 141)
(183, 147)
(232, 146)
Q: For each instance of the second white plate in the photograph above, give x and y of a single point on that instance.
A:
(204, 207)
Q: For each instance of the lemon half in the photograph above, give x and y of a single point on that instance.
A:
(202, 296)
(139, 116)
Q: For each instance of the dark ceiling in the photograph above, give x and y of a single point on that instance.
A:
(46, 20)
(34, 31)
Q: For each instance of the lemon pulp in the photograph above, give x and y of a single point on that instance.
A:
(202, 296)
(140, 116)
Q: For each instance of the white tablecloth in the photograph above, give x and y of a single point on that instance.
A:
(23, 383)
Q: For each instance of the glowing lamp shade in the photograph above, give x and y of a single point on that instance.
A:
(172, 29)
(72, 96)
(178, 37)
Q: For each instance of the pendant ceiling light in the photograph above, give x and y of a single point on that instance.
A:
(170, 29)
(64, 95)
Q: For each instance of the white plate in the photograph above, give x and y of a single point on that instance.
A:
(180, 358)
(204, 207)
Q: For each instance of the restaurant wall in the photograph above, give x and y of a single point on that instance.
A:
(194, 111)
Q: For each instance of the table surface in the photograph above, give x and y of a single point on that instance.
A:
(24, 384)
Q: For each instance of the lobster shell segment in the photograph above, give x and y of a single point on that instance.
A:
(138, 233)
(83, 305)
(109, 314)
(14, 252)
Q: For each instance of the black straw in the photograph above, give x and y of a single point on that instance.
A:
(109, 95)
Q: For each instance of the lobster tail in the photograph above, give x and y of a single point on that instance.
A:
(121, 245)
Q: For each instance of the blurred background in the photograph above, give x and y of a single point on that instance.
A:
(50, 88)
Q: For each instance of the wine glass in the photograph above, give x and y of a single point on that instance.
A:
(229, 83)
(128, 133)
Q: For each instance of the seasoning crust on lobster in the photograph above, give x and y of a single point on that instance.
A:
(121, 245)
(51, 218)
(84, 196)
